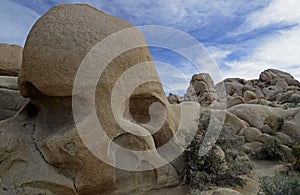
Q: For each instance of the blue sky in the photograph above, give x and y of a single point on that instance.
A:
(243, 37)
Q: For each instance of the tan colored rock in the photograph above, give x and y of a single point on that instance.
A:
(263, 138)
(266, 129)
(285, 139)
(235, 123)
(173, 99)
(249, 95)
(225, 191)
(22, 162)
(274, 122)
(264, 102)
(10, 99)
(251, 134)
(292, 129)
(253, 114)
(67, 48)
(10, 59)
(201, 89)
(234, 86)
(61, 150)
(271, 76)
(235, 101)
(251, 147)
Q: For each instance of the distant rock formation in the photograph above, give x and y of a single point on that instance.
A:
(273, 86)
(201, 89)
(10, 59)
(256, 109)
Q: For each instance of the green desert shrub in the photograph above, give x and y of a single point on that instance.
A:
(290, 105)
(281, 123)
(210, 170)
(296, 153)
(271, 150)
(280, 184)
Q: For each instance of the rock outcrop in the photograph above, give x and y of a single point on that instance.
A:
(201, 89)
(273, 85)
(43, 150)
(10, 62)
(10, 59)
(10, 99)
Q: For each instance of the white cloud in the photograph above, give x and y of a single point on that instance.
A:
(15, 21)
(277, 13)
(278, 49)
(186, 15)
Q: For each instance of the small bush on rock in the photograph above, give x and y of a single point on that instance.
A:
(271, 150)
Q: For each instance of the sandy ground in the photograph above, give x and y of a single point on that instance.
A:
(260, 169)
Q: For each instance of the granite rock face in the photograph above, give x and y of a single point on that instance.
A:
(44, 151)
(10, 59)
(201, 89)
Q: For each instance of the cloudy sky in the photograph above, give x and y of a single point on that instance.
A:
(242, 37)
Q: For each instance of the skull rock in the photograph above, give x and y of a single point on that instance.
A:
(63, 141)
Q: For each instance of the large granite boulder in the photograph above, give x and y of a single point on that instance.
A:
(53, 145)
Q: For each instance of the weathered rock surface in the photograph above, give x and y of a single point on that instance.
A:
(10, 62)
(201, 89)
(225, 191)
(253, 114)
(10, 99)
(10, 59)
(43, 151)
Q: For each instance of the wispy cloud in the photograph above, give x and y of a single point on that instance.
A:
(16, 21)
(278, 45)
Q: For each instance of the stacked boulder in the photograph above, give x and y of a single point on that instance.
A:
(259, 110)
(201, 89)
(272, 88)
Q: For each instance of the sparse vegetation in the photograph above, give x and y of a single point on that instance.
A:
(281, 123)
(214, 169)
(290, 105)
(280, 184)
(271, 150)
(296, 153)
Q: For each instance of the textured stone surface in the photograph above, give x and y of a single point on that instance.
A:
(10, 99)
(235, 101)
(54, 49)
(253, 114)
(10, 59)
(225, 191)
(251, 134)
(201, 89)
